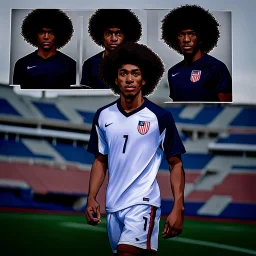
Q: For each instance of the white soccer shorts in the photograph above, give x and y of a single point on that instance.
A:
(137, 225)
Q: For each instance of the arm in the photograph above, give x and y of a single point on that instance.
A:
(174, 221)
(225, 97)
(98, 173)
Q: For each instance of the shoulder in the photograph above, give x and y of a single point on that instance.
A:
(102, 109)
(214, 62)
(30, 56)
(176, 67)
(159, 111)
(65, 57)
(96, 57)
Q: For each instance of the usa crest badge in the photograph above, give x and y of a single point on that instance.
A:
(143, 127)
(195, 75)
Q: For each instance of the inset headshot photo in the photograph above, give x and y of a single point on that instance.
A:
(43, 54)
(196, 46)
(107, 29)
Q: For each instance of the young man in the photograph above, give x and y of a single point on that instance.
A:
(193, 32)
(46, 68)
(129, 138)
(108, 28)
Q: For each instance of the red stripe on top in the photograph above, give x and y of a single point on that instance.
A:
(151, 226)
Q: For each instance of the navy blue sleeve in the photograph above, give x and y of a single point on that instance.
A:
(172, 144)
(86, 74)
(223, 79)
(17, 74)
(171, 95)
(97, 143)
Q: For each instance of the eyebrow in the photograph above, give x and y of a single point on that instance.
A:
(133, 70)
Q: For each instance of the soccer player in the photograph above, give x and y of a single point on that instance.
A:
(193, 32)
(129, 138)
(46, 68)
(108, 28)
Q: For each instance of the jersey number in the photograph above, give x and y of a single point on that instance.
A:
(146, 222)
(125, 142)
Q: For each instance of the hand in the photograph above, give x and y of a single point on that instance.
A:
(173, 224)
(93, 208)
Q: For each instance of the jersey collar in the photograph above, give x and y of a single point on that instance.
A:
(144, 104)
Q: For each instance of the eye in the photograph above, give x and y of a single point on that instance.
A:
(122, 73)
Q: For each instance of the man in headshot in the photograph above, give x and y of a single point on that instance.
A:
(46, 68)
(193, 32)
(108, 28)
(129, 138)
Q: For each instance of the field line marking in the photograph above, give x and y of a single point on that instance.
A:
(176, 239)
(211, 244)
(83, 226)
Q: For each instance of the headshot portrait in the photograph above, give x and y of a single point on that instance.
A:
(107, 28)
(47, 67)
(194, 32)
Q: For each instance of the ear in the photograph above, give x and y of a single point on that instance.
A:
(143, 82)
(116, 81)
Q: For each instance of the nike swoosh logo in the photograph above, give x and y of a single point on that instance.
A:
(28, 67)
(174, 74)
(106, 125)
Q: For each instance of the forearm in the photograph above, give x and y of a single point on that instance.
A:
(177, 179)
(98, 173)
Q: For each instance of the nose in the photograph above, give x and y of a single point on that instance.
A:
(46, 35)
(186, 38)
(129, 78)
(113, 37)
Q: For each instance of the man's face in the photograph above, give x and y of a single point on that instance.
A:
(188, 41)
(46, 39)
(129, 80)
(112, 38)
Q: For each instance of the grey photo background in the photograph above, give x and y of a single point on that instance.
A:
(243, 33)
(90, 48)
(223, 51)
(20, 48)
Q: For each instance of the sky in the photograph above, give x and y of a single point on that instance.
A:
(243, 19)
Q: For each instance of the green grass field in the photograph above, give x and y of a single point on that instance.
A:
(53, 234)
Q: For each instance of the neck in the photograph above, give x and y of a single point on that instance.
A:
(46, 54)
(129, 104)
(105, 53)
(189, 58)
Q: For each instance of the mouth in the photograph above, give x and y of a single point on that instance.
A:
(186, 47)
(130, 88)
(113, 45)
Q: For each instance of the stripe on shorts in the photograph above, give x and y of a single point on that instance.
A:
(151, 226)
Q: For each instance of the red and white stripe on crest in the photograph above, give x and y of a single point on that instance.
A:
(195, 75)
(143, 127)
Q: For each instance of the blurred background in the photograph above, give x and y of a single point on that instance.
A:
(44, 166)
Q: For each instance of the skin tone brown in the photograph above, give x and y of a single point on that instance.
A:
(112, 38)
(46, 43)
(130, 82)
(190, 48)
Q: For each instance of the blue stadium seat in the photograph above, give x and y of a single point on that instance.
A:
(245, 118)
(74, 154)
(190, 161)
(204, 117)
(87, 116)
(239, 139)
(7, 109)
(18, 149)
(50, 111)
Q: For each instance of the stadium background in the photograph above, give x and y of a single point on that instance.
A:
(44, 170)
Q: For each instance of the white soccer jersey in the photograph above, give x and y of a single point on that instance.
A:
(135, 143)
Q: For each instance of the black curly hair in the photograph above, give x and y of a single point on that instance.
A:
(140, 55)
(191, 17)
(54, 19)
(124, 19)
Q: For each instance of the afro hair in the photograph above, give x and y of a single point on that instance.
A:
(54, 19)
(191, 17)
(124, 19)
(151, 66)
